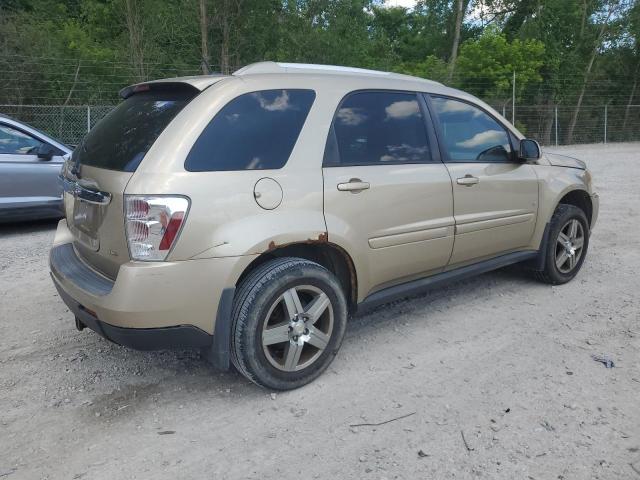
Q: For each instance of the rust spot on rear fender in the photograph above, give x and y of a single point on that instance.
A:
(322, 238)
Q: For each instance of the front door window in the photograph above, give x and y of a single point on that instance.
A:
(470, 134)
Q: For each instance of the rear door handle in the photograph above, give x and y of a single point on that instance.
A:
(467, 180)
(354, 185)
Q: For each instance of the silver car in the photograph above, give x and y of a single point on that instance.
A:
(30, 164)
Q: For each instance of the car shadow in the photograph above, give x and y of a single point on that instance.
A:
(489, 285)
(26, 227)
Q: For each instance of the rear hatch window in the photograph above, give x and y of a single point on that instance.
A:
(121, 139)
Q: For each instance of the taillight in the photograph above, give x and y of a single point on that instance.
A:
(152, 224)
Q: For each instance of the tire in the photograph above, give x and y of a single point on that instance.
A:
(556, 270)
(289, 317)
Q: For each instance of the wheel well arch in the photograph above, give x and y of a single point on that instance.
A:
(580, 199)
(330, 256)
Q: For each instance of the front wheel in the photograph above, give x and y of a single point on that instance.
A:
(289, 319)
(567, 245)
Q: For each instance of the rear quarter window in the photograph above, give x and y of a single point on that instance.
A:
(255, 131)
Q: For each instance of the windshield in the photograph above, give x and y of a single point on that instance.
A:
(122, 138)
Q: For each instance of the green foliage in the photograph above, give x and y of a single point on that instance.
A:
(548, 43)
(431, 67)
(486, 65)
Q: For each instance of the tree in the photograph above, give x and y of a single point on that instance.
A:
(431, 68)
(486, 65)
(604, 24)
(456, 37)
(633, 26)
(225, 16)
(135, 29)
(204, 36)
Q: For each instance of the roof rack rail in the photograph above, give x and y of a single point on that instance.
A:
(280, 67)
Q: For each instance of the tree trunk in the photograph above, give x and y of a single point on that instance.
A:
(227, 12)
(587, 74)
(66, 102)
(136, 35)
(546, 122)
(630, 102)
(456, 38)
(204, 37)
(584, 18)
(224, 46)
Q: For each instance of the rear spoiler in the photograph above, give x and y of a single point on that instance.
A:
(193, 85)
(156, 87)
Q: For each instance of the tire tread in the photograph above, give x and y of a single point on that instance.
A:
(245, 304)
(562, 212)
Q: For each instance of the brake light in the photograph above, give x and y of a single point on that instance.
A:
(152, 224)
(141, 88)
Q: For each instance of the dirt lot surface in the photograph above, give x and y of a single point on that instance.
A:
(497, 369)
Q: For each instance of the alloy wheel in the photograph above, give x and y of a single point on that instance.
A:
(297, 328)
(569, 246)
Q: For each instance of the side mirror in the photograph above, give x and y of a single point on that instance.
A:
(45, 152)
(529, 150)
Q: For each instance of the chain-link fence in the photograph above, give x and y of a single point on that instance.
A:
(549, 124)
(560, 125)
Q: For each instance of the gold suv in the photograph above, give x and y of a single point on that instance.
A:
(249, 215)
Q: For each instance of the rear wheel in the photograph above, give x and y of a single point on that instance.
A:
(289, 318)
(567, 245)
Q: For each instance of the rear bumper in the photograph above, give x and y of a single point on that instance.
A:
(150, 305)
(138, 338)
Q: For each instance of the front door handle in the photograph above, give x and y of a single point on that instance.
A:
(354, 185)
(468, 180)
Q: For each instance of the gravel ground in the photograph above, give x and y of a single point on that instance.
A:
(497, 369)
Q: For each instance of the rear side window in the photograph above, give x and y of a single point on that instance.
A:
(121, 139)
(378, 128)
(255, 131)
(470, 134)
